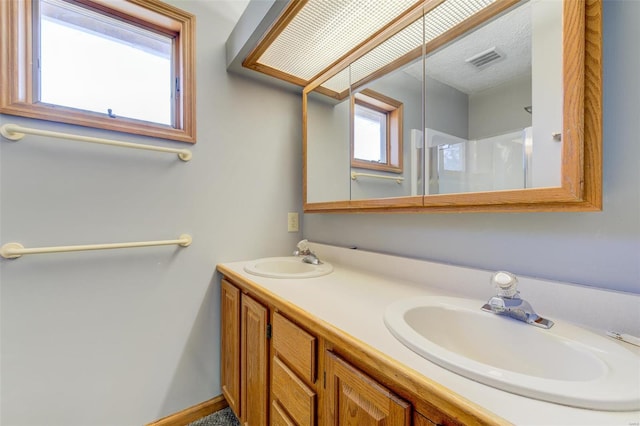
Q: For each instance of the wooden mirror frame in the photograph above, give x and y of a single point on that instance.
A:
(581, 181)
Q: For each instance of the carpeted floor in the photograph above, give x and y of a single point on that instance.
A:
(221, 418)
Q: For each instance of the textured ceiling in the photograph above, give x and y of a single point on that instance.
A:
(510, 34)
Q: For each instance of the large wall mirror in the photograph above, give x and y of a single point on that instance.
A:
(496, 108)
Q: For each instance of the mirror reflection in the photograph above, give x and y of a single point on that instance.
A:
(327, 144)
(482, 130)
(393, 164)
(480, 113)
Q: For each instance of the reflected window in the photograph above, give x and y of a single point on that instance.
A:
(377, 132)
(451, 157)
(370, 134)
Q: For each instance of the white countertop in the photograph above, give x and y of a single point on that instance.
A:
(355, 295)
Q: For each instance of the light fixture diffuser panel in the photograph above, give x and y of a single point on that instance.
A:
(436, 22)
(326, 30)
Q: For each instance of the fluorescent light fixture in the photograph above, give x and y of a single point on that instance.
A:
(325, 30)
(310, 38)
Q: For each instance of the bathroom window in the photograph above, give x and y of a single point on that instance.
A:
(377, 132)
(124, 66)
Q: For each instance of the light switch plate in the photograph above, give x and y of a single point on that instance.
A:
(292, 222)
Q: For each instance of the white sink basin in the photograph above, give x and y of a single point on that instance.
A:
(565, 364)
(286, 267)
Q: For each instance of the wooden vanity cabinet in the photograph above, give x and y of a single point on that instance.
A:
(244, 358)
(301, 375)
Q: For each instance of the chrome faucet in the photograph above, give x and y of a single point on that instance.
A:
(302, 249)
(508, 302)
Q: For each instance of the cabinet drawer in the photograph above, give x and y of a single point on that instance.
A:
(292, 394)
(296, 346)
(279, 417)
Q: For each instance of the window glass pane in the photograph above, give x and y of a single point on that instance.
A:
(369, 135)
(93, 62)
(452, 157)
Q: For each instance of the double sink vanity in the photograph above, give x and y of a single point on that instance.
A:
(364, 338)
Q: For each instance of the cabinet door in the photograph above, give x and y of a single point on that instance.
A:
(253, 372)
(230, 340)
(352, 398)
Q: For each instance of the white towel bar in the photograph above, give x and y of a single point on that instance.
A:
(14, 132)
(15, 250)
(355, 175)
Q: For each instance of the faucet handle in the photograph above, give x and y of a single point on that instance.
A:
(495, 304)
(302, 248)
(303, 245)
(505, 282)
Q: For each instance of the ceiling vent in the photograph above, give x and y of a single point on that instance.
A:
(485, 58)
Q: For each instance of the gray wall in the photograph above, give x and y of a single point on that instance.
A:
(328, 148)
(546, 52)
(500, 109)
(600, 249)
(124, 337)
(446, 109)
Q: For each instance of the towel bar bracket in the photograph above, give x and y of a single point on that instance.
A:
(8, 250)
(9, 134)
(185, 240)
